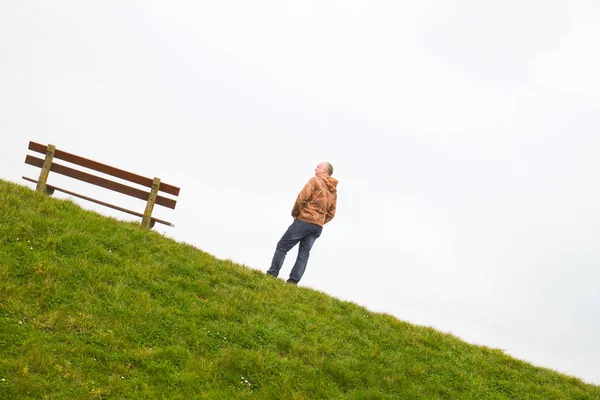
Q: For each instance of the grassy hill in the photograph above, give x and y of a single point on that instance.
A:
(94, 308)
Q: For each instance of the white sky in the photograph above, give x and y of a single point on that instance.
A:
(464, 135)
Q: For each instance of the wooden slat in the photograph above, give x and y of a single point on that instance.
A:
(106, 169)
(98, 181)
(137, 214)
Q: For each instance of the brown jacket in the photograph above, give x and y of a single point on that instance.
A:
(316, 202)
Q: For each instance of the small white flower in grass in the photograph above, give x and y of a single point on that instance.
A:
(20, 322)
(122, 377)
(17, 238)
(3, 380)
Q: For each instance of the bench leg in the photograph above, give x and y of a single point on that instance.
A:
(147, 218)
(41, 183)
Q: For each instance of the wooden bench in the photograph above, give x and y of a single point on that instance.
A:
(152, 197)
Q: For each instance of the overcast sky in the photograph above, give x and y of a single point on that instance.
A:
(464, 136)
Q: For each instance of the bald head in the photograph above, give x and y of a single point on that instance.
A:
(324, 168)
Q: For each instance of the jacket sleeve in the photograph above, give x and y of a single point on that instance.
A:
(331, 211)
(302, 198)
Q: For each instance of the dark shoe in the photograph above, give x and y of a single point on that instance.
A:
(274, 276)
(292, 282)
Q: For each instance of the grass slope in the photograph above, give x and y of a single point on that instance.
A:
(93, 308)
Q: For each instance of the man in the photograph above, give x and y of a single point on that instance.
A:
(314, 207)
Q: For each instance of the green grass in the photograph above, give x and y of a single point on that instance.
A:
(95, 308)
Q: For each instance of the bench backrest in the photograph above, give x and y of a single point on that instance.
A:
(152, 197)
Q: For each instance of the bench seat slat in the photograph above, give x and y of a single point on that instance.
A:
(137, 214)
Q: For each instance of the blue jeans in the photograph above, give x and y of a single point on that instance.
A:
(302, 232)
